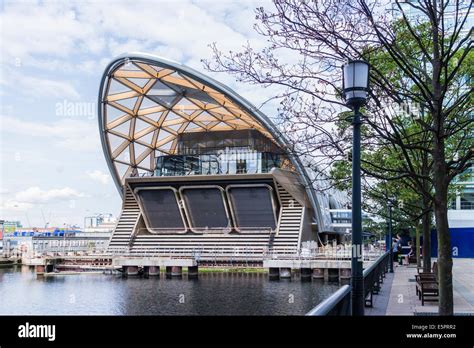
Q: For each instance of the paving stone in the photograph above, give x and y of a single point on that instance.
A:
(398, 294)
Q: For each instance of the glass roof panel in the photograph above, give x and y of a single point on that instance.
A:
(123, 129)
(113, 113)
(124, 156)
(165, 100)
(117, 87)
(129, 103)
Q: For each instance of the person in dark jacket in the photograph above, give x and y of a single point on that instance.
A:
(396, 248)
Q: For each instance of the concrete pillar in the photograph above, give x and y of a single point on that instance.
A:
(124, 271)
(40, 269)
(193, 271)
(146, 271)
(132, 270)
(345, 275)
(285, 272)
(274, 273)
(168, 271)
(176, 271)
(333, 274)
(154, 271)
(306, 274)
(318, 273)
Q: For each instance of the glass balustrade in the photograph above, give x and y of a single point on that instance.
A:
(222, 161)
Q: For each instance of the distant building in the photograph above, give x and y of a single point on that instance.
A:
(99, 223)
(11, 226)
(1, 236)
(34, 245)
(461, 212)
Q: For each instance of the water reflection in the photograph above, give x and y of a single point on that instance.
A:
(211, 294)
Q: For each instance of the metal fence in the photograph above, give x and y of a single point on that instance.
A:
(339, 303)
(373, 277)
(251, 252)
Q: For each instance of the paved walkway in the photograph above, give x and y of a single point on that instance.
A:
(398, 296)
(380, 301)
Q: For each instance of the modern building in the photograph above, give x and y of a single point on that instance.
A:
(201, 171)
(461, 212)
(99, 223)
(11, 226)
(34, 244)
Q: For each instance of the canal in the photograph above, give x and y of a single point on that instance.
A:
(22, 293)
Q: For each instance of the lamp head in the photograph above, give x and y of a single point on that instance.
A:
(355, 82)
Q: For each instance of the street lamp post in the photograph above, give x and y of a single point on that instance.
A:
(390, 206)
(355, 79)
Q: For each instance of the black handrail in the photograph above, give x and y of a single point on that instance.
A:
(336, 304)
(373, 277)
(339, 303)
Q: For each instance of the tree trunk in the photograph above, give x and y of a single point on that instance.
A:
(426, 218)
(426, 227)
(445, 261)
(417, 245)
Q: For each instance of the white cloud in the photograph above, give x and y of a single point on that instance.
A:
(99, 176)
(48, 64)
(90, 28)
(34, 195)
(14, 206)
(38, 87)
(68, 133)
(27, 199)
(50, 28)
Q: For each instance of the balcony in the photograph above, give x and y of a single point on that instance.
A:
(228, 161)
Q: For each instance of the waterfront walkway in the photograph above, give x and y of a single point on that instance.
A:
(398, 295)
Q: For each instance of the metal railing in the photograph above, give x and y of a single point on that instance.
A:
(228, 230)
(322, 254)
(373, 277)
(238, 252)
(339, 303)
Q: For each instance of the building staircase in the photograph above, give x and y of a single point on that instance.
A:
(121, 237)
(248, 245)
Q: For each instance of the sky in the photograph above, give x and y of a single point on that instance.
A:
(53, 54)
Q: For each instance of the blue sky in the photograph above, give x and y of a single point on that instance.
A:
(52, 58)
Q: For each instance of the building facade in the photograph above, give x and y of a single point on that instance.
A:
(201, 171)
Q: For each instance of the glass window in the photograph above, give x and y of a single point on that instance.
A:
(467, 201)
(224, 152)
(241, 166)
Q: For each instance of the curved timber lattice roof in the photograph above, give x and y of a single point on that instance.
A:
(146, 102)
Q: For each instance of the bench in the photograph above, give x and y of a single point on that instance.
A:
(423, 277)
(428, 290)
(427, 285)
